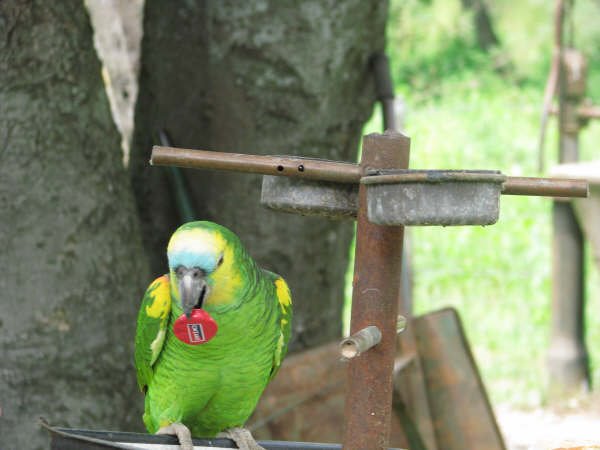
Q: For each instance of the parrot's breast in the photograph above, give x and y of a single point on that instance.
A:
(215, 385)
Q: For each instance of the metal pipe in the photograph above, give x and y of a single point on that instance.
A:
(360, 342)
(291, 166)
(589, 112)
(546, 187)
(338, 172)
(583, 112)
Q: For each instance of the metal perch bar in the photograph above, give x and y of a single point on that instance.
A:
(545, 187)
(583, 112)
(338, 172)
(360, 342)
(291, 166)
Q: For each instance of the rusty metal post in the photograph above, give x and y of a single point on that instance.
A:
(384, 87)
(567, 354)
(376, 288)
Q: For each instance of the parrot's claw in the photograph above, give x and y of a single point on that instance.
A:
(182, 432)
(242, 437)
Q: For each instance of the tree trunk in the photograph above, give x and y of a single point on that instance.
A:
(73, 270)
(263, 77)
(484, 30)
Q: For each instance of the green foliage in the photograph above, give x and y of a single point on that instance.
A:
(428, 41)
(467, 109)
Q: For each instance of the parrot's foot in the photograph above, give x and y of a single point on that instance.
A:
(242, 438)
(182, 432)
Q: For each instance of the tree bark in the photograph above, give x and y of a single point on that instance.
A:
(263, 77)
(72, 261)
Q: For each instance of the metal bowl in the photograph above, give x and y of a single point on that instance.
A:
(433, 197)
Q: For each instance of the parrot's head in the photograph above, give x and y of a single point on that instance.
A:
(207, 265)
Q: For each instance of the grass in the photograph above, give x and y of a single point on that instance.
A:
(463, 112)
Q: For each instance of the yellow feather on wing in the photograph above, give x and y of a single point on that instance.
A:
(153, 320)
(284, 298)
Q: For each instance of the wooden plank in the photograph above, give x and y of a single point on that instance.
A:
(411, 385)
(305, 401)
(584, 170)
(588, 214)
(461, 412)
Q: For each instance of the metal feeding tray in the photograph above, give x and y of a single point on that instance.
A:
(433, 197)
(310, 197)
(75, 439)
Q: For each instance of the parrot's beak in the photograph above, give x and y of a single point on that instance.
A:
(192, 291)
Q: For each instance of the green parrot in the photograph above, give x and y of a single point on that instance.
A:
(210, 336)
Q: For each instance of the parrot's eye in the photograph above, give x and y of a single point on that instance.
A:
(180, 271)
(197, 273)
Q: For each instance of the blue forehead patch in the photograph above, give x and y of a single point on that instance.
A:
(205, 261)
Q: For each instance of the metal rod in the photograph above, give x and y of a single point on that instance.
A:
(360, 342)
(307, 168)
(589, 112)
(583, 112)
(546, 187)
(375, 293)
(339, 172)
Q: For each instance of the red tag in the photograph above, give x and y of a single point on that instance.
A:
(198, 329)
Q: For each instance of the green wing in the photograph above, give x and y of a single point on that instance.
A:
(284, 304)
(152, 323)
